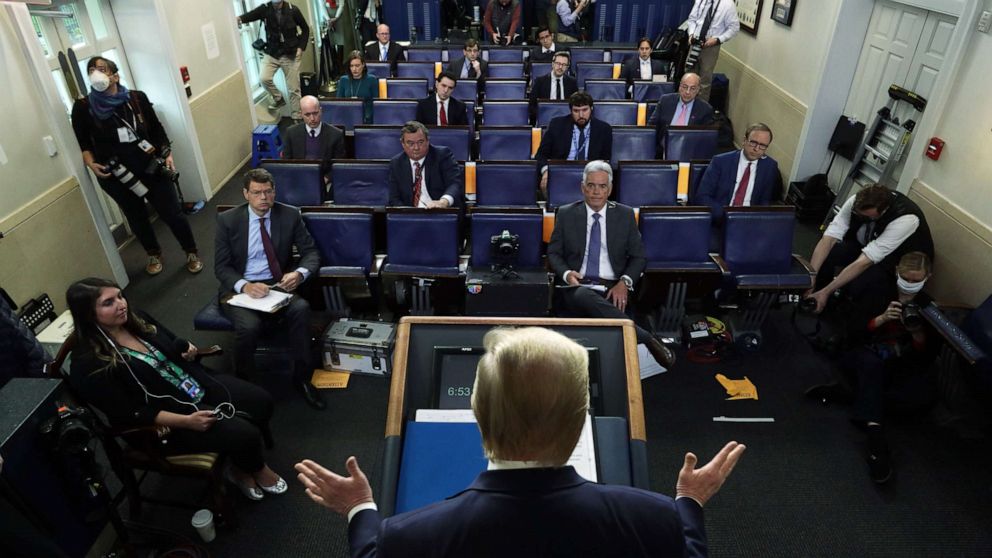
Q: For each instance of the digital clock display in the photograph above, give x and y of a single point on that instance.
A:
(455, 368)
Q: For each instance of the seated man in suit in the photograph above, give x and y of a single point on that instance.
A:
(642, 67)
(253, 248)
(557, 85)
(596, 248)
(441, 109)
(680, 109)
(423, 175)
(384, 50)
(530, 503)
(313, 139)
(745, 177)
(575, 137)
(546, 48)
(470, 65)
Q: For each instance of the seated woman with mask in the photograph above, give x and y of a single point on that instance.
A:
(139, 374)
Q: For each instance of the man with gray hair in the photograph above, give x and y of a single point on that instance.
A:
(530, 399)
(423, 175)
(596, 251)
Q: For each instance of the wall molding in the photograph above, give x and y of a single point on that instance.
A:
(224, 121)
(37, 205)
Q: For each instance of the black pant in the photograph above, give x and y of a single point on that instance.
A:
(239, 437)
(581, 302)
(162, 196)
(294, 320)
(873, 285)
(902, 382)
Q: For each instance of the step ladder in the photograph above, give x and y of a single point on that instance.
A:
(882, 149)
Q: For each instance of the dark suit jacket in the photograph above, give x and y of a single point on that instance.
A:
(700, 115)
(456, 67)
(286, 229)
(440, 169)
(330, 142)
(542, 87)
(427, 111)
(536, 54)
(717, 185)
(557, 140)
(623, 240)
(394, 54)
(537, 512)
(631, 69)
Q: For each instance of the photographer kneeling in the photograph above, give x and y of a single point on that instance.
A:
(124, 144)
(892, 367)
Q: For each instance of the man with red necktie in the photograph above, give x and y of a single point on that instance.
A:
(745, 177)
(441, 109)
(423, 175)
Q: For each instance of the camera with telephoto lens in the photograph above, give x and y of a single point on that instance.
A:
(504, 248)
(157, 166)
(126, 177)
(807, 305)
(911, 316)
(694, 50)
(70, 432)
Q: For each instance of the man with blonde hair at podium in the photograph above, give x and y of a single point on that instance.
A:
(531, 399)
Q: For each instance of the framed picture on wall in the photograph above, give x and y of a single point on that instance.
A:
(748, 12)
(782, 11)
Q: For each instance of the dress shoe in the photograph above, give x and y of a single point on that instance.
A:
(250, 492)
(193, 263)
(830, 393)
(278, 488)
(154, 266)
(276, 105)
(879, 463)
(661, 353)
(313, 397)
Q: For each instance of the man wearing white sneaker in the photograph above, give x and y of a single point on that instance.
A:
(286, 37)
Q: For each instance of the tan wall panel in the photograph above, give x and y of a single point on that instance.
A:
(51, 243)
(962, 249)
(223, 125)
(755, 99)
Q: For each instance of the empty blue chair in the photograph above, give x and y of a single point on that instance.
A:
(584, 55)
(620, 55)
(506, 89)
(466, 90)
(423, 70)
(651, 91)
(456, 138)
(685, 143)
(506, 113)
(379, 69)
(538, 69)
(407, 253)
(617, 113)
(377, 142)
(527, 224)
(507, 54)
(357, 182)
(564, 182)
(343, 113)
(505, 184)
(345, 241)
(423, 54)
(648, 183)
(393, 113)
(546, 110)
(592, 70)
(696, 171)
(505, 143)
(606, 89)
(632, 143)
(506, 70)
(406, 88)
(297, 184)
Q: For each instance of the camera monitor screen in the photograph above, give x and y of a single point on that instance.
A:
(454, 377)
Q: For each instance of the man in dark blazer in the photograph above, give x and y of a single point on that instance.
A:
(429, 108)
(470, 65)
(680, 109)
(530, 503)
(546, 48)
(313, 139)
(437, 168)
(608, 280)
(575, 137)
(392, 50)
(253, 250)
(542, 88)
(745, 177)
(642, 67)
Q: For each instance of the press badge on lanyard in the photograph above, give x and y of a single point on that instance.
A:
(190, 388)
(125, 135)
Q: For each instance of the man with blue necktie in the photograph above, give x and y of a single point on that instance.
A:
(577, 136)
(384, 50)
(683, 108)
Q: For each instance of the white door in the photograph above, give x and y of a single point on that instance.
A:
(905, 46)
(81, 29)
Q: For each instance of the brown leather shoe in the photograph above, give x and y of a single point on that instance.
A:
(193, 263)
(154, 266)
(661, 353)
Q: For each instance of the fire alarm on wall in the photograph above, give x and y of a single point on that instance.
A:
(934, 148)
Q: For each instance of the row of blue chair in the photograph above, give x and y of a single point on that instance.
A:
(517, 54)
(517, 89)
(503, 70)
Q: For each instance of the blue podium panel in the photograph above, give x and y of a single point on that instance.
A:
(413, 20)
(504, 144)
(633, 143)
(393, 113)
(377, 142)
(439, 460)
(406, 88)
(360, 182)
(546, 110)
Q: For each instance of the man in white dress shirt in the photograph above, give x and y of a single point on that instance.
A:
(711, 23)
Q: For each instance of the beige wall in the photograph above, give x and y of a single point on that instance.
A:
(225, 147)
(187, 19)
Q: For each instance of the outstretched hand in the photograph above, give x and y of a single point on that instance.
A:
(701, 484)
(337, 493)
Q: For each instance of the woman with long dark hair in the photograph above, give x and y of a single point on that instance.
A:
(358, 82)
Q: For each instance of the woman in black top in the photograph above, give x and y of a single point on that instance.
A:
(139, 374)
(114, 125)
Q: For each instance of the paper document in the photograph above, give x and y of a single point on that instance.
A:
(583, 456)
(269, 303)
(596, 287)
(649, 366)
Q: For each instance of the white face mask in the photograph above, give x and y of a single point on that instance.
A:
(99, 81)
(908, 287)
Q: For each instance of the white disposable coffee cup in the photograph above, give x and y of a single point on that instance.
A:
(203, 522)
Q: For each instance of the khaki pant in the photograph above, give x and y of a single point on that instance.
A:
(563, 38)
(290, 66)
(704, 67)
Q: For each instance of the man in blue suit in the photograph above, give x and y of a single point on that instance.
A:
(680, 109)
(529, 503)
(577, 136)
(745, 177)
(423, 175)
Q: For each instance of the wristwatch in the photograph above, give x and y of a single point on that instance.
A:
(628, 282)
